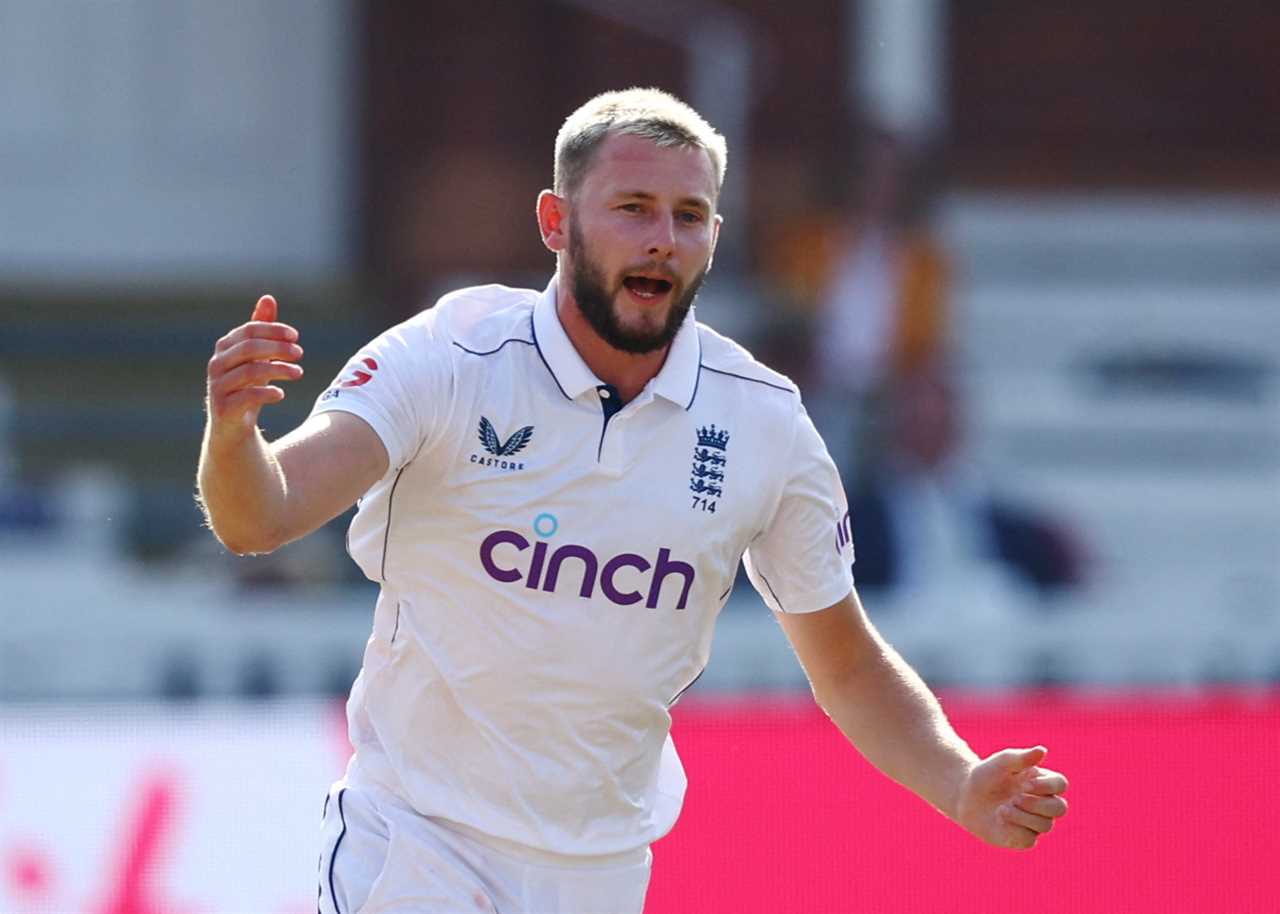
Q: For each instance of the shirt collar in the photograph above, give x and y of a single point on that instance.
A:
(677, 381)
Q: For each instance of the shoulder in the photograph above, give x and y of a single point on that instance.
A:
(726, 362)
(478, 319)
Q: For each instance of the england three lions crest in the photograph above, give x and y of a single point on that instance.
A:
(709, 460)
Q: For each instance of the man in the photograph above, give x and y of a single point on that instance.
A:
(555, 491)
(927, 516)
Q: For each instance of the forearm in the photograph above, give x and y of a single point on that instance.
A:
(885, 709)
(241, 490)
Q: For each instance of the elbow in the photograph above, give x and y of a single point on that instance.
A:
(238, 535)
(243, 547)
(246, 549)
(246, 543)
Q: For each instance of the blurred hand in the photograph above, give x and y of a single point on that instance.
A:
(1009, 801)
(244, 364)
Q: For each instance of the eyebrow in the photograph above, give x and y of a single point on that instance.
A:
(700, 203)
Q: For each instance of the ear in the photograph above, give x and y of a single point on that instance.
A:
(552, 213)
(715, 237)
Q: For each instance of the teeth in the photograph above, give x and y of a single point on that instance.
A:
(647, 287)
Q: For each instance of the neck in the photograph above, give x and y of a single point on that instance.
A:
(629, 372)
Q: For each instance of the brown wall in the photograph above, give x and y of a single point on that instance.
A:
(1139, 93)
(461, 100)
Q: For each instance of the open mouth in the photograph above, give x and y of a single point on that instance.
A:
(646, 287)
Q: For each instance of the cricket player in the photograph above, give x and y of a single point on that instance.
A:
(555, 490)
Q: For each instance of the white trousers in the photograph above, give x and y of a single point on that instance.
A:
(378, 856)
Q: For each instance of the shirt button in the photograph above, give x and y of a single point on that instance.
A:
(604, 394)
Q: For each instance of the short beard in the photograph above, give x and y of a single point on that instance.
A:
(596, 304)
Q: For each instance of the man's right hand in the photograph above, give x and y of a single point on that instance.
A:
(258, 496)
(244, 364)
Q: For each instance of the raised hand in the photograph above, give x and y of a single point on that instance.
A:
(1009, 801)
(244, 364)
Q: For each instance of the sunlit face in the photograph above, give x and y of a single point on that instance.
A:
(642, 229)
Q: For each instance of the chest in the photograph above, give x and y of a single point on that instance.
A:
(553, 492)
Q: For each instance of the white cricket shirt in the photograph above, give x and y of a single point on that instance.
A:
(551, 567)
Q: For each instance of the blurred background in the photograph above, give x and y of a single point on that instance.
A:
(1022, 259)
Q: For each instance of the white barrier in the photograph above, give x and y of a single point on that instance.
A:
(206, 809)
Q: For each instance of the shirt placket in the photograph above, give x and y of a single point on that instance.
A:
(610, 453)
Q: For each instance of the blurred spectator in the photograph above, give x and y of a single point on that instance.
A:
(869, 281)
(863, 269)
(882, 308)
(927, 519)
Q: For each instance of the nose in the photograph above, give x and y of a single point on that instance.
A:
(662, 241)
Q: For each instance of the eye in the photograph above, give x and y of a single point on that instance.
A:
(630, 207)
(690, 217)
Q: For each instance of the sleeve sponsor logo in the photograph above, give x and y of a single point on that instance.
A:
(844, 532)
(360, 374)
(356, 375)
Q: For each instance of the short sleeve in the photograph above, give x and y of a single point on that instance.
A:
(801, 561)
(400, 383)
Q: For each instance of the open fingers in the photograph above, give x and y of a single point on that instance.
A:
(244, 363)
(263, 330)
(253, 374)
(251, 399)
(244, 390)
(1018, 837)
(253, 350)
(1050, 807)
(1046, 783)
(1013, 815)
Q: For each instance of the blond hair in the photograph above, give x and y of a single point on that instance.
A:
(649, 113)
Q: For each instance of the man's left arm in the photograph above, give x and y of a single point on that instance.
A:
(884, 708)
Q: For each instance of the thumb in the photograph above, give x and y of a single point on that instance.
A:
(266, 309)
(1015, 760)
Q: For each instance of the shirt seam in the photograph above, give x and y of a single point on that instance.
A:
(514, 339)
(743, 377)
(533, 327)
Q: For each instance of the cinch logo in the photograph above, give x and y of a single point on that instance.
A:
(502, 555)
